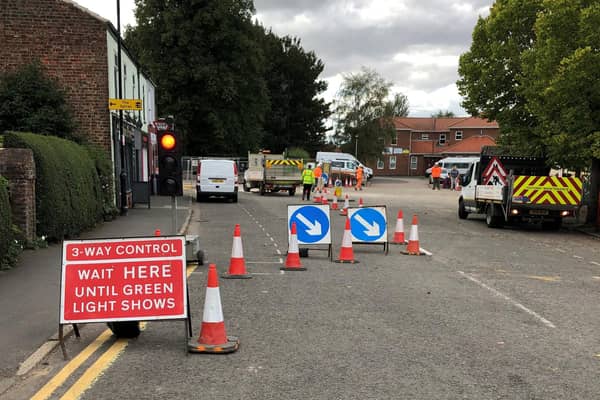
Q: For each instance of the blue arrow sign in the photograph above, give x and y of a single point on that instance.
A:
(312, 224)
(368, 224)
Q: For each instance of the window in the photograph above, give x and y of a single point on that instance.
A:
(458, 135)
(442, 138)
(392, 162)
(380, 164)
(394, 139)
(424, 136)
(413, 162)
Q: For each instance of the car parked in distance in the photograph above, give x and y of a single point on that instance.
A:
(217, 178)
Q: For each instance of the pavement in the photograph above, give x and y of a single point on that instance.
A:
(30, 292)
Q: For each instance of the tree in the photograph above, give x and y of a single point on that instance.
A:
(297, 114)
(206, 59)
(364, 115)
(443, 114)
(491, 73)
(31, 101)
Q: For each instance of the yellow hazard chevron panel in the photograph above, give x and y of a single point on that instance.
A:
(547, 190)
(270, 163)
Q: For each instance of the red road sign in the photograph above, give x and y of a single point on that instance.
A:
(494, 173)
(123, 279)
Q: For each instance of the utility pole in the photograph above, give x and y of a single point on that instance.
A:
(123, 174)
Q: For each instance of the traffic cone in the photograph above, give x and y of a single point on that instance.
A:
(237, 265)
(346, 252)
(324, 200)
(334, 205)
(213, 338)
(457, 186)
(346, 205)
(292, 261)
(360, 202)
(157, 232)
(399, 231)
(347, 182)
(329, 184)
(317, 198)
(413, 247)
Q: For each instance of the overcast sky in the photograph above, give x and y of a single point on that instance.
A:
(413, 43)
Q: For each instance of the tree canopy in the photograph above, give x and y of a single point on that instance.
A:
(31, 101)
(232, 86)
(364, 113)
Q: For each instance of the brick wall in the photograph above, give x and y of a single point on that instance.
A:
(18, 166)
(71, 44)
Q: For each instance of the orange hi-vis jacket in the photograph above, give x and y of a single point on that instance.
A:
(436, 171)
(317, 172)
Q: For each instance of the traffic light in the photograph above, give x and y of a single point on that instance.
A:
(170, 180)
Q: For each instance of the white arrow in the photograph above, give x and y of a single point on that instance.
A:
(313, 229)
(372, 230)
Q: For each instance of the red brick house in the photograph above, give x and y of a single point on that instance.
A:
(419, 142)
(79, 49)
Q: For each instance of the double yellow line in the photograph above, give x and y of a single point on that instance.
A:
(95, 370)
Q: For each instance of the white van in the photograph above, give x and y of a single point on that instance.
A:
(462, 164)
(217, 178)
(350, 163)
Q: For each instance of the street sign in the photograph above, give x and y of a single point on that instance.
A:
(125, 104)
(128, 279)
(312, 223)
(368, 224)
(494, 173)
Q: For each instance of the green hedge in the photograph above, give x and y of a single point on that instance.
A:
(68, 189)
(7, 237)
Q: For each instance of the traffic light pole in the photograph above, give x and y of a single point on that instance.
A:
(123, 174)
(174, 215)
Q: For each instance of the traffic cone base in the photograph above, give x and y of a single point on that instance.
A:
(232, 344)
(236, 276)
(347, 261)
(414, 253)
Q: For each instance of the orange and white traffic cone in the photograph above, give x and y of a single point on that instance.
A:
(237, 265)
(213, 338)
(347, 182)
(329, 184)
(334, 205)
(346, 205)
(399, 231)
(346, 252)
(324, 199)
(317, 198)
(157, 232)
(413, 247)
(292, 261)
(457, 186)
(360, 202)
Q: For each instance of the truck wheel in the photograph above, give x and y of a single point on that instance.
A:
(262, 190)
(462, 212)
(292, 192)
(245, 187)
(125, 329)
(492, 221)
(234, 198)
(198, 197)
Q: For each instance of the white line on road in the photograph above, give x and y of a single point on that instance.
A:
(595, 263)
(278, 251)
(561, 250)
(264, 262)
(578, 257)
(505, 297)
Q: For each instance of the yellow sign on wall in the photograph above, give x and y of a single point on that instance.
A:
(125, 104)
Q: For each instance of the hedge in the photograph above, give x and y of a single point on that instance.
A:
(7, 237)
(68, 189)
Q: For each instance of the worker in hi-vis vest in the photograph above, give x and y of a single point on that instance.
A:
(308, 179)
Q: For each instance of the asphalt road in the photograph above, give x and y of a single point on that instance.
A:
(493, 314)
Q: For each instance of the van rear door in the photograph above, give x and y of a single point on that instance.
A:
(217, 176)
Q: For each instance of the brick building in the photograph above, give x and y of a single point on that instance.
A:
(419, 142)
(79, 49)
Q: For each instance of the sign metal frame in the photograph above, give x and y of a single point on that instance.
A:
(148, 263)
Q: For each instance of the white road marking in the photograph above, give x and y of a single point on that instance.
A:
(425, 251)
(270, 237)
(264, 262)
(578, 257)
(561, 250)
(595, 263)
(281, 261)
(505, 297)
(278, 251)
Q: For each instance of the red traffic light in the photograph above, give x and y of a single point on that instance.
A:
(168, 141)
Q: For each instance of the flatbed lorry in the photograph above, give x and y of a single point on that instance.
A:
(272, 173)
(511, 189)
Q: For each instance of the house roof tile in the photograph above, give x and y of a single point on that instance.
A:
(470, 145)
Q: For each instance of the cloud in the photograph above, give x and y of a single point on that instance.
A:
(414, 43)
